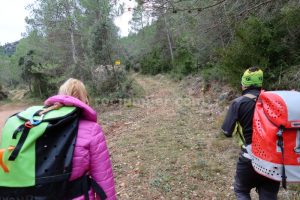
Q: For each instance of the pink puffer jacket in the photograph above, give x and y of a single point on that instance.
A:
(91, 154)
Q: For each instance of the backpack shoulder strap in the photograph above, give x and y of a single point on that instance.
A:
(250, 96)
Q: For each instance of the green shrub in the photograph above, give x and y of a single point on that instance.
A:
(155, 62)
(184, 61)
(289, 79)
(271, 45)
(248, 49)
(212, 73)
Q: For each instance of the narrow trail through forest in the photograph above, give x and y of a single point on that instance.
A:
(167, 145)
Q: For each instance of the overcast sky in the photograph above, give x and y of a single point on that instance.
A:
(13, 13)
(122, 21)
(12, 19)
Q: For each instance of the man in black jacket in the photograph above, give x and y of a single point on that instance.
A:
(239, 119)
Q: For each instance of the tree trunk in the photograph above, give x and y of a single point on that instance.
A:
(40, 89)
(29, 85)
(73, 46)
(70, 13)
(169, 41)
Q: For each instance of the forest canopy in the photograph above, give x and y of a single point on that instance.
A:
(214, 39)
(218, 39)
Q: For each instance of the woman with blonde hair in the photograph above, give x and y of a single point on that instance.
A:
(74, 88)
(91, 158)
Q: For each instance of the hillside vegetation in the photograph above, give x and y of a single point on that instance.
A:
(217, 40)
(187, 57)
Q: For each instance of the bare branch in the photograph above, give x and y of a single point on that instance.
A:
(201, 8)
(163, 6)
(256, 6)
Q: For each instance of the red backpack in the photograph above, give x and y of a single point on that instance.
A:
(276, 136)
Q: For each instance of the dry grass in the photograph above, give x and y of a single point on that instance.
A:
(172, 150)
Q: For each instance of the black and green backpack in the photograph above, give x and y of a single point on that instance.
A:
(36, 153)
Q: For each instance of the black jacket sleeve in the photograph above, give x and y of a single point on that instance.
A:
(230, 119)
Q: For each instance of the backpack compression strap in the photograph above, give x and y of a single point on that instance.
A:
(25, 128)
(280, 144)
(82, 185)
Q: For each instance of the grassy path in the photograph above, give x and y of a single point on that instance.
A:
(169, 146)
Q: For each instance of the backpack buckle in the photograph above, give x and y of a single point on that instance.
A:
(28, 124)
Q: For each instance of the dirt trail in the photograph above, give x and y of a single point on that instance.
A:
(8, 110)
(169, 146)
(166, 147)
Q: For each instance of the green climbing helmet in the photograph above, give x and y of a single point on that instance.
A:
(252, 77)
